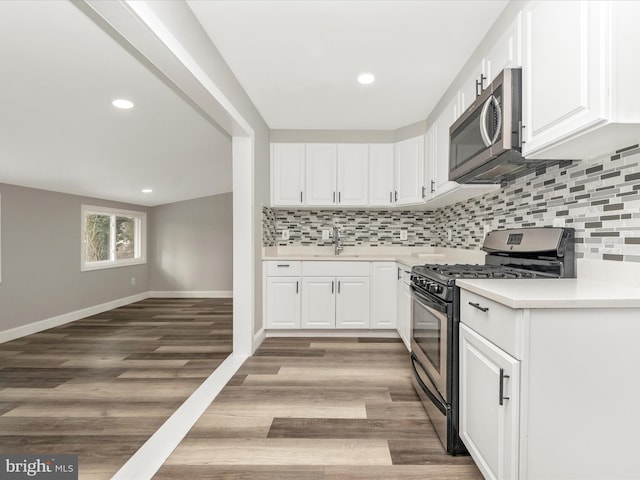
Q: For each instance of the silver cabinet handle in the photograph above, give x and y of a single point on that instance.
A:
(477, 305)
(501, 397)
(338, 286)
(390, 197)
(284, 265)
(339, 197)
(334, 197)
(332, 282)
(396, 195)
(433, 186)
(297, 287)
(424, 192)
(300, 197)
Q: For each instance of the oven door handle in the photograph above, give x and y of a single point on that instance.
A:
(430, 303)
(437, 401)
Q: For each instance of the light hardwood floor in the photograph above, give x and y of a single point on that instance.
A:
(305, 408)
(317, 409)
(101, 386)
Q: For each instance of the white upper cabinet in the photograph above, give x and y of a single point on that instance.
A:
(472, 88)
(409, 171)
(321, 169)
(564, 84)
(580, 78)
(287, 173)
(506, 53)
(353, 174)
(381, 174)
(437, 150)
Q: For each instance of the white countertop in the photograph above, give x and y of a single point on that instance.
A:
(554, 293)
(407, 256)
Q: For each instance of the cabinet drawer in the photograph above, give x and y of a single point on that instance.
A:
(283, 268)
(331, 268)
(499, 324)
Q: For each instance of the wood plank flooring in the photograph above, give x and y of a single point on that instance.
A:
(313, 408)
(101, 386)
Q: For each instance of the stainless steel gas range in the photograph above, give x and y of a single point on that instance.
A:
(540, 252)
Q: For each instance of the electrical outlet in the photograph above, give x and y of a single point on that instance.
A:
(325, 234)
(285, 234)
(403, 234)
(558, 222)
(449, 234)
(133, 280)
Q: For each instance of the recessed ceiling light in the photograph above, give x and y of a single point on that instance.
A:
(147, 190)
(122, 103)
(366, 78)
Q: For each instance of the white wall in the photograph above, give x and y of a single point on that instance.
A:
(191, 245)
(41, 277)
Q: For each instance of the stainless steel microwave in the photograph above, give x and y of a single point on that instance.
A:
(486, 140)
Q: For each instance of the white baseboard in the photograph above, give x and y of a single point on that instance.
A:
(258, 338)
(41, 325)
(191, 294)
(154, 452)
(333, 333)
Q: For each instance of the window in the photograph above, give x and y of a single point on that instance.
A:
(112, 238)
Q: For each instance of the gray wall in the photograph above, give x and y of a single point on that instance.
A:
(41, 275)
(191, 245)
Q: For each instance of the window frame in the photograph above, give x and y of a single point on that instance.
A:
(113, 262)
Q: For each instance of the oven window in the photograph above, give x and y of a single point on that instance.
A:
(427, 330)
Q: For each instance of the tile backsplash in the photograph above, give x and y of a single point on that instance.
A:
(599, 198)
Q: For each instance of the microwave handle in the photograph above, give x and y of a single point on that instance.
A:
(498, 111)
(484, 133)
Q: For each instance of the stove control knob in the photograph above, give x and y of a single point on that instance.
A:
(437, 289)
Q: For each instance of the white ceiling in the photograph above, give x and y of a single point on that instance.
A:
(58, 130)
(298, 60)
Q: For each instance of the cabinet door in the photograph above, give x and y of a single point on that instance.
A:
(321, 168)
(287, 173)
(471, 89)
(352, 302)
(381, 174)
(565, 86)
(318, 302)
(383, 295)
(489, 405)
(437, 150)
(506, 53)
(404, 321)
(283, 302)
(409, 165)
(353, 174)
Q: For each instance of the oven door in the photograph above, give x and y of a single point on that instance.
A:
(430, 321)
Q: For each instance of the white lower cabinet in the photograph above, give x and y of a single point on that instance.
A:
(404, 305)
(335, 302)
(383, 295)
(352, 302)
(328, 295)
(318, 302)
(549, 393)
(283, 302)
(489, 405)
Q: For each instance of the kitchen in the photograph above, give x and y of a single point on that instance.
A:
(601, 238)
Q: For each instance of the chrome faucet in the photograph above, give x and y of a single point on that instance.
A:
(338, 247)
